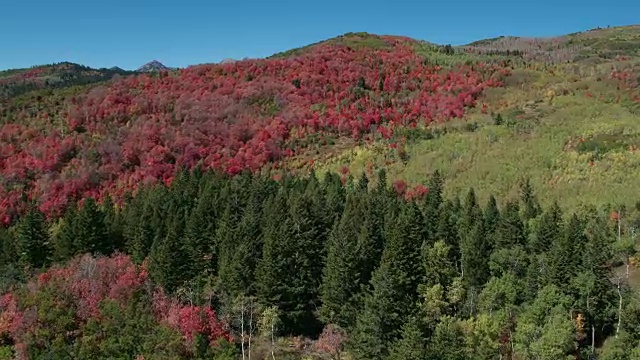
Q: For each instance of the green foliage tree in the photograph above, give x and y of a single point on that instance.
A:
(342, 275)
(168, 262)
(510, 229)
(127, 333)
(290, 271)
(447, 341)
(90, 230)
(530, 205)
(32, 239)
(548, 230)
(393, 287)
(412, 343)
(64, 247)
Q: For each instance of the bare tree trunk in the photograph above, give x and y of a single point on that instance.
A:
(250, 326)
(619, 309)
(242, 327)
(626, 263)
(272, 342)
(593, 339)
(511, 341)
(619, 227)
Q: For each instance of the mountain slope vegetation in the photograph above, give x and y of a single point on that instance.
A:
(364, 197)
(235, 116)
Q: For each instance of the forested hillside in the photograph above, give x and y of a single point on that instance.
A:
(241, 115)
(387, 272)
(364, 197)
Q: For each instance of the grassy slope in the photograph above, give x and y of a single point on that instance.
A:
(493, 158)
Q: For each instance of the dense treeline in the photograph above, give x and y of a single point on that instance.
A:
(386, 277)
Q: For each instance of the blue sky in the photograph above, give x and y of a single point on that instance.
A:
(181, 33)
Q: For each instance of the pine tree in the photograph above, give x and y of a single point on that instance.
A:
(475, 250)
(140, 241)
(510, 229)
(531, 208)
(447, 232)
(412, 343)
(32, 239)
(113, 222)
(370, 238)
(393, 286)
(335, 198)
(227, 243)
(548, 231)
(8, 253)
(363, 183)
(241, 258)
(290, 271)
(64, 247)
(272, 267)
(342, 275)
(432, 205)
(167, 259)
(474, 246)
(90, 230)
(199, 241)
(471, 213)
(491, 216)
(563, 259)
(368, 336)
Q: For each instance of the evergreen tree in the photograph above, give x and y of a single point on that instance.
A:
(412, 343)
(363, 183)
(393, 286)
(491, 216)
(199, 240)
(8, 253)
(90, 230)
(476, 251)
(564, 255)
(167, 259)
(141, 238)
(510, 229)
(239, 260)
(367, 341)
(65, 241)
(548, 231)
(290, 271)
(370, 238)
(533, 277)
(472, 213)
(32, 239)
(447, 341)
(531, 208)
(342, 272)
(432, 205)
(447, 232)
(227, 243)
(113, 222)
(272, 266)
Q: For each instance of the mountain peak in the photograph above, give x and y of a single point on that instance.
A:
(151, 66)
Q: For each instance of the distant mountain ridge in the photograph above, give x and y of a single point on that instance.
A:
(15, 82)
(153, 66)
